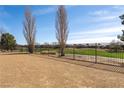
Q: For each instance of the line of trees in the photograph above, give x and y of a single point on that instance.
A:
(61, 25)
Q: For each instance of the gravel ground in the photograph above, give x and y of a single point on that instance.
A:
(24, 70)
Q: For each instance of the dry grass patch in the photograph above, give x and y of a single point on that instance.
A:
(33, 71)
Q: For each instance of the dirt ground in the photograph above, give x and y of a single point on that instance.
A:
(24, 70)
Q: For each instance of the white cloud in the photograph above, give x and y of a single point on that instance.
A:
(93, 36)
(103, 18)
(108, 17)
(114, 11)
(93, 40)
(99, 13)
(118, 7)
(107, 14)
(44, 11)
(99, 17)
(99, 31)
(49, 10)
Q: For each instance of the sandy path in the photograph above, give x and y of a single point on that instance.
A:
(32, 71)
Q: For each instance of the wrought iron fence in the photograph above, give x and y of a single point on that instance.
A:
(92, 53)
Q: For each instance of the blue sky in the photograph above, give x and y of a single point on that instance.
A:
(87, 24)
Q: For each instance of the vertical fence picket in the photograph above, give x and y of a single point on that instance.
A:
(95, 52)
(48, 49)
(74, 51)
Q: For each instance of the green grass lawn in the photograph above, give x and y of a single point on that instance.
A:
(99, 53)
(90, 51)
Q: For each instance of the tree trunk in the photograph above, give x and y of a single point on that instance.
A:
(62, 52)
(31, 48)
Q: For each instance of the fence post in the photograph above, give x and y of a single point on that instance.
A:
(48, 49)
(95, 52)
(74, 51)
(58, 50)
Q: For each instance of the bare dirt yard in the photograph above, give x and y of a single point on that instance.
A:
(24, 70)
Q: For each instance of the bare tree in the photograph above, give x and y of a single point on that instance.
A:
(61, 28)
(29, 30)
